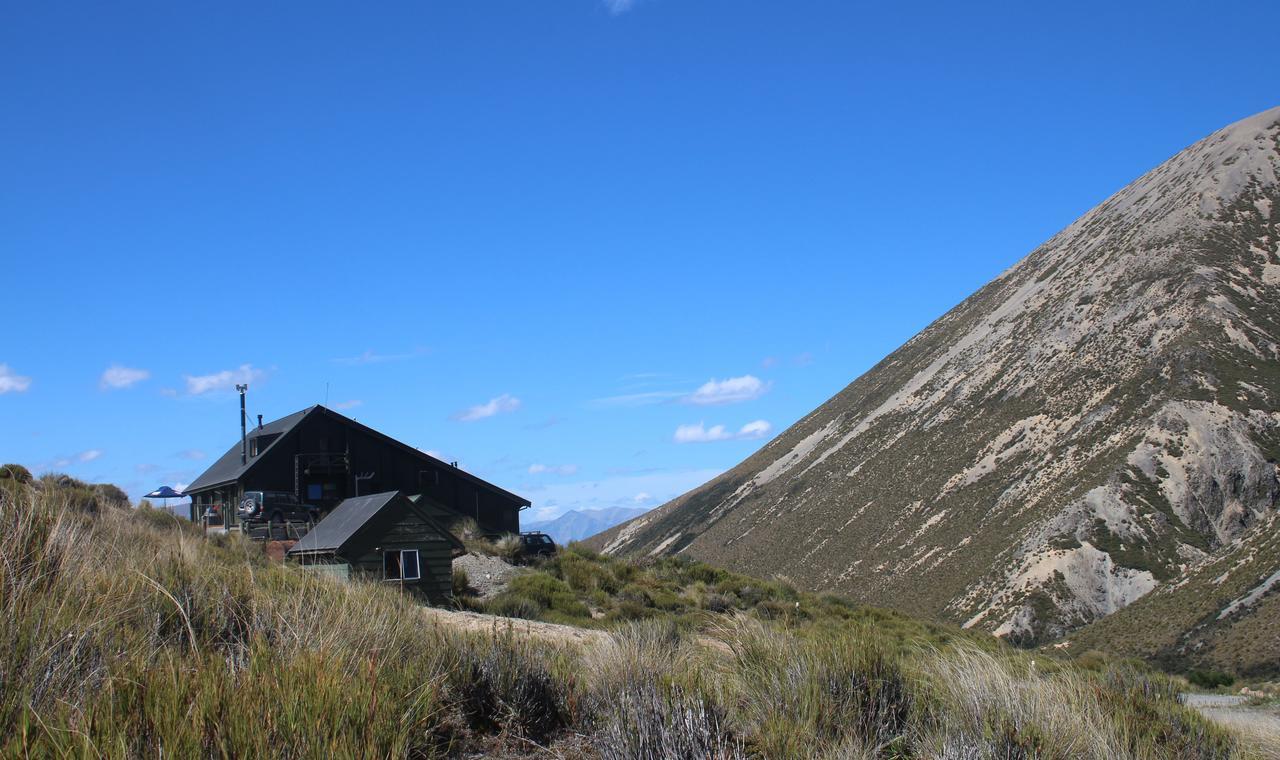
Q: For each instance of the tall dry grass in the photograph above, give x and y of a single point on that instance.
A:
(126, 634)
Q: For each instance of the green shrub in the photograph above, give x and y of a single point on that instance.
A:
(1210, 679)
(513, 606)
(15, 472)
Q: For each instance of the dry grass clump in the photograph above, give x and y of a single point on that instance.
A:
(126, 637)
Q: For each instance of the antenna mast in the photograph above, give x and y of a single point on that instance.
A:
(244, 435)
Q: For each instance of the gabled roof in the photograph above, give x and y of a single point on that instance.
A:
(350, 517)
(228, 468)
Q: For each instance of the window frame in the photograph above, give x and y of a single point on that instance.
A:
(417, 565)
(400, 555)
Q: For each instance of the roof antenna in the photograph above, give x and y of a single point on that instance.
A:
(244, 435)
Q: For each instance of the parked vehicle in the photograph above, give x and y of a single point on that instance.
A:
(537, 544)
(276, 507)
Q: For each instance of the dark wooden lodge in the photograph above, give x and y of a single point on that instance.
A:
(384, 537)
(323, 458)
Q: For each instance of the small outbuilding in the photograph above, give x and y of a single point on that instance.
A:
(386, 537)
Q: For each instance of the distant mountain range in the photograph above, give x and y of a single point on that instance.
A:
(1100, 422)
(576, 525)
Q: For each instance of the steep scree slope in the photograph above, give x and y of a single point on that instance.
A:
(1099, 420)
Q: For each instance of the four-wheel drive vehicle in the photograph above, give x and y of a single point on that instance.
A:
(534, 544)
(276, 507)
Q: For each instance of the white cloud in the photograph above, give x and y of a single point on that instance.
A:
(729, 391)
(221, 381)
(191, 454)
(504, 404)
(619, 7)
(699, 433)
(553, 469)
(352, 404)
(10, 382)
(88, 455)
(757, 429)
(116, 377)
(642, 497)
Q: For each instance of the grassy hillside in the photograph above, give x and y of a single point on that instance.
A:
(127, 635)
(584, 588)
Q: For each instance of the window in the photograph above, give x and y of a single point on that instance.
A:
(315, 491)
(253, 447)
(401, 565)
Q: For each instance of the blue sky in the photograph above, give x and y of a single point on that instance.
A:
(596, 251)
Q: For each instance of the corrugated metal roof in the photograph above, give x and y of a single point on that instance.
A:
(228, 467)
(342, 523)
(349, 517)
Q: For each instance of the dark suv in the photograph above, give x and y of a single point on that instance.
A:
(535, 544)
(276, 507)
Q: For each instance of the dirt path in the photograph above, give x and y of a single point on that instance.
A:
(477, 623)
(1257, 725)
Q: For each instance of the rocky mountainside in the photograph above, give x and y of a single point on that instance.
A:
(1097, 422)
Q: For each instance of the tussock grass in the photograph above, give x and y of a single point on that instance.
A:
(127, 635)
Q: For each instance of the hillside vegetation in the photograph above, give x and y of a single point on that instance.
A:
(126, 634)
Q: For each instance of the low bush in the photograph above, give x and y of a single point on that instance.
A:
(461, 583)
(1210, 679)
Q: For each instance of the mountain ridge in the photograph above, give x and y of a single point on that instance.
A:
(1087, 426)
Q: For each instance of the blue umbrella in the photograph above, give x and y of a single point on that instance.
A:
(166, 493)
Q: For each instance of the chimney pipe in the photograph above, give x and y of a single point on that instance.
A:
(244, 435)
(259, 421)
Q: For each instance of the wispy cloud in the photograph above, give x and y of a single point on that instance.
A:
(700, 433)
(636, 399)
(116, 377)
(504, 404)
(11, 382)
(553, 469)
(618, 7)
(83, 457)
(222, 381)
(192, 454)
(729, 391)
(352, 404)
(373, 357)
